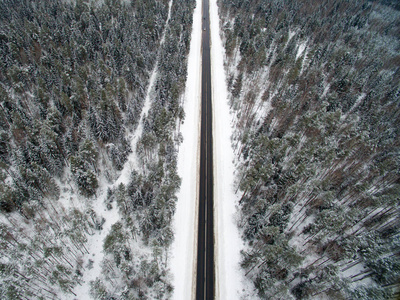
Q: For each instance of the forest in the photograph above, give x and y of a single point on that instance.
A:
(73, 79)
(315, 93)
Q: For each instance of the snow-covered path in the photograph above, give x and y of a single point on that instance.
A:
(95, 242)
(229, 276)
(132, 158)
(185, 220)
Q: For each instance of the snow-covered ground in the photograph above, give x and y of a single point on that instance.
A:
(132, 158)
(229, 276)
(111, 216)
(185, 220)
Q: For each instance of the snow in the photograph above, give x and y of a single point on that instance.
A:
(291, 35)
(301, 49)
(230, 280)
(95, 242)
(185, 220)
(132, 161)
(229, 277)
(132, 158)
(326, 90)
(355, 105)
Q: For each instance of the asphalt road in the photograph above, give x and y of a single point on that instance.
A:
(205, 244)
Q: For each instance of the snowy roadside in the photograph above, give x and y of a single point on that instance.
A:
(230, 280)
(185, 219)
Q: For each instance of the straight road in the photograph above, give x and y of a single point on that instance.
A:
(205, 244)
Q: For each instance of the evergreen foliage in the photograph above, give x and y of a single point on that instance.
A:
(315, 90)
(73, 79)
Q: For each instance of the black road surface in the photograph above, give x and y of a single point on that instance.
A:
(205, 242)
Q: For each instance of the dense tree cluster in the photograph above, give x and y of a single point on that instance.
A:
(316, 93)
(147, 203)
(72, 71)
(73, 78)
